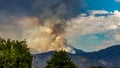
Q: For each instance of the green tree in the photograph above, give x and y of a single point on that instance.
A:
(14, 54)
(60, 59)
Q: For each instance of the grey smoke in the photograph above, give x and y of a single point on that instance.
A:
(58, 8)
(41, 22)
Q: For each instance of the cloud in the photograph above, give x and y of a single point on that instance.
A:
(117, 37)
(94, 12)
(91, 24)
(117, 0)
(98, 22)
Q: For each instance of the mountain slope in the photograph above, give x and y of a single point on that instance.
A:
(109, 57)
(106, 57)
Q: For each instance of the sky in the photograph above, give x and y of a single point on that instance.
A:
(89, 25)
(103, 13)
(108, 5)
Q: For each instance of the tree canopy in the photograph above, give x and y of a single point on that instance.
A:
(14, 54)
(60, 59)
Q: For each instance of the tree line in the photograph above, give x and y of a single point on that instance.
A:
(15, 54)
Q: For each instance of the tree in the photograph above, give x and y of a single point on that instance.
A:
(14, 54)
(60, 59)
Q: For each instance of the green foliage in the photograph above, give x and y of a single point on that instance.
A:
(14, 54)
(60, 60)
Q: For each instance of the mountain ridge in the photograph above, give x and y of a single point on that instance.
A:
(108, 57)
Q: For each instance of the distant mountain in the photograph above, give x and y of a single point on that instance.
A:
(109, 52)
(109, 57)
(78, 51)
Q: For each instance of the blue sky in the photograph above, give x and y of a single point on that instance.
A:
(108, 5)
(97, 27)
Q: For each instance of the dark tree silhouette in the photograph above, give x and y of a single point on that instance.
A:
(60, 59)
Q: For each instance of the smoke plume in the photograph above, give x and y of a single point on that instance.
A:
(49, 33)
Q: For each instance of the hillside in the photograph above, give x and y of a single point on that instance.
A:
(106, 57)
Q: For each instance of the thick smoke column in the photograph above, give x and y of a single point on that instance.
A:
(49, 35)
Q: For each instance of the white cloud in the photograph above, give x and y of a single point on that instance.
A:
(93, 12)
(92, 24)
(117, 0)
(82, 25)
(113, 26)
(117, 37)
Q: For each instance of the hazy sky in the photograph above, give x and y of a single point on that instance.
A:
(91, 26)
